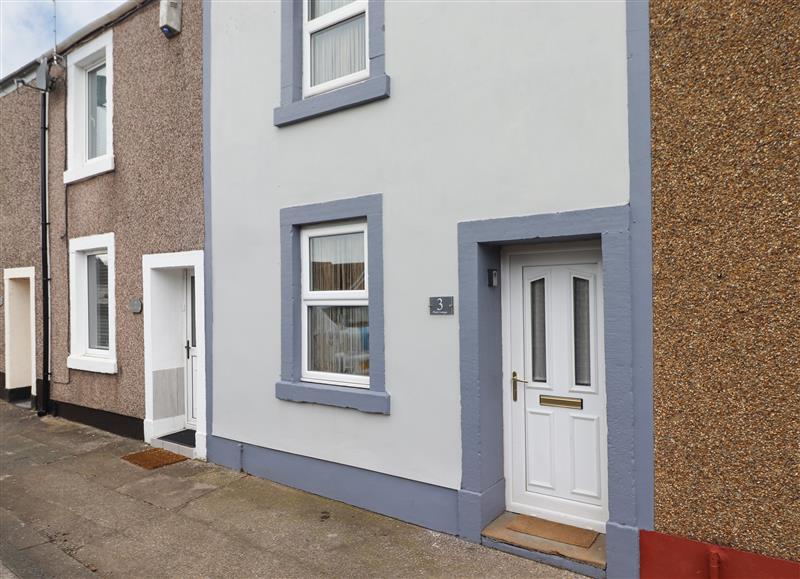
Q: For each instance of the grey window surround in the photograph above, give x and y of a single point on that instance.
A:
(291, 387)
(294, 108)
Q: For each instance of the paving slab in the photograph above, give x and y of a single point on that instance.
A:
(52, 520)
(71, 507)
(104, 468)
(16, 533)
(72, 441)
(165, 491)
(18, 447)
(204, 472)
(25, 556)
(336, 535)
(5, 572)
(161, 548)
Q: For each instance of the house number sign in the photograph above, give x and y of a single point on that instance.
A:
(441, 305)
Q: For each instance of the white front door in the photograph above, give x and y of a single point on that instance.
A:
(554, 388)
(191, 378)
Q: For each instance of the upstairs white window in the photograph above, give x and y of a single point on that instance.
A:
(90, 109)
(97, 120)
(335, 44)
(92, 303)
(335, 305)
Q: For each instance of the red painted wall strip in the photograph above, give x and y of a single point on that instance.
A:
(668, 557)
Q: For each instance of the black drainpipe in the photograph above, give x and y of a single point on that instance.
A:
(43, 395)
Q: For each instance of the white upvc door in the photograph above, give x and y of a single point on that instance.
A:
(554, 388)
(190, 347)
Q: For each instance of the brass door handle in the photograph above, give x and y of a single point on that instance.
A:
(514, 381)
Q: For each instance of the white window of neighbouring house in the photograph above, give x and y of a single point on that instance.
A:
(90, 109)
(335, 304)
(335, 44)
(92, 303)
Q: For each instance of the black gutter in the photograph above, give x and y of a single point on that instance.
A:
(43, 395)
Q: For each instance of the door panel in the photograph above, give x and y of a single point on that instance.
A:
(585, 451)
(191, 352)
(540, 448)
(556, 454)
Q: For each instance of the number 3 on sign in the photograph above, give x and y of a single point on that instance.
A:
(441, 305)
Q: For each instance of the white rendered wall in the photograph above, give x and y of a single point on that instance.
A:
(497, 109)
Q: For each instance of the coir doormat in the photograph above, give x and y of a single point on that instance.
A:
(153, 458)
(553, 531)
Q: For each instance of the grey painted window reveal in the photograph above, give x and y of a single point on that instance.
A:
(291, 387)
(294, 108)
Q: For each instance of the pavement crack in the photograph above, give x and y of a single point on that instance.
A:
(44, 542)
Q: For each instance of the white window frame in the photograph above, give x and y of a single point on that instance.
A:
(81, 356)
(80, 62)
(310, 298)
(326, 21)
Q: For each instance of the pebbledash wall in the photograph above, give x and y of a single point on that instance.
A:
(152, 201)
(726, 224)
(20, 217)
(469, 136)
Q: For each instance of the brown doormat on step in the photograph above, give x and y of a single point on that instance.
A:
(553, 531)
(153, 458)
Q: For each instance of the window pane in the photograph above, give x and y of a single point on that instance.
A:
(538, 331)
(319, 7)
(97, 112)
(338, 339)
(580, 301)
(98, 301)
(337, 262)
(338, 50)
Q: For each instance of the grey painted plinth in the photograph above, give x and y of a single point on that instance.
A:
(415, 502)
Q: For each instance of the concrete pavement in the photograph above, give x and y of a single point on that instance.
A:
(70, 507)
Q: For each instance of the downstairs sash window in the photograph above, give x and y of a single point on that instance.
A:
(335, 304)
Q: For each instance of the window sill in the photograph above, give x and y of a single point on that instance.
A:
(89, 169)
(360, 93)
(342, 396)
(92, 364)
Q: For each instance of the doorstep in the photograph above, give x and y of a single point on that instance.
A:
(181, 442)
(593, 555)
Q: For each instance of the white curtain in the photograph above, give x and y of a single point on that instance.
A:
(339, 339)
(539, 331)
(98, 301)
(580, 300)
(338, 50)
(319, 7)
(337, 262)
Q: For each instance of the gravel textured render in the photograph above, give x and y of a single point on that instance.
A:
(20, 216)
(152, 201)
(71, 507)
(726, 232)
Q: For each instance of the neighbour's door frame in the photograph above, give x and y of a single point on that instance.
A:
(550, 255)
(9, 274)
(193, 260)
